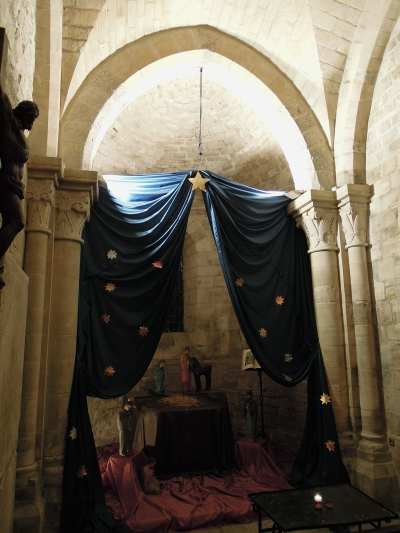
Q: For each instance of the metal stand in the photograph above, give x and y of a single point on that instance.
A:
(261, 399)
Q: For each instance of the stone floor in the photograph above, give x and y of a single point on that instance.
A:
(245, 528)
(252, 528)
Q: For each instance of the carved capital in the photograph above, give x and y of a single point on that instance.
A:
(316, 213)
(40, 200)
(354, 219)
(320, 226)
(72, 210)
(354, 213)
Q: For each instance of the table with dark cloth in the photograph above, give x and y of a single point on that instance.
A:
(190, 439)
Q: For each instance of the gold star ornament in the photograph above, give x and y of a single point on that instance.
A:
(325, 399)
(109, 287)
(279, 300)
(330, 445)
(109, 371)
(143, 331)
(239, 282)
(198, 182)
(73, 434)
(263, 332)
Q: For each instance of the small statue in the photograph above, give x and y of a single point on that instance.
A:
(126, 422)
(159, 377)
(13, 156)
(250, 414)
(199, 370)
(185, 371)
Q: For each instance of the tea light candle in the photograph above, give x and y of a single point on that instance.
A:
(317, 498)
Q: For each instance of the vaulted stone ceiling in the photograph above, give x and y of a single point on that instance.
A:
(79, 18)
(312, 42)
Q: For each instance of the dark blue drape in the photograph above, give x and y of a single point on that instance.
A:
(266, 266)
(130, 263)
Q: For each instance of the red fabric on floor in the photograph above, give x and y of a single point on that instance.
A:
(187, 503)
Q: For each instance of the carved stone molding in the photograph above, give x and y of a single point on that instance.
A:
(353, 201)
(72, 210)
(355, 224)
(316, 213)
(40, 200)
(320, 227)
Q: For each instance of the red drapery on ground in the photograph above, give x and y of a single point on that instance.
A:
(187, 503)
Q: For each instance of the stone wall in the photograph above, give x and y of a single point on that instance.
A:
(383, 167)
(18, 18)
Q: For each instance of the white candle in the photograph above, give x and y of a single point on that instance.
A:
(317, 498)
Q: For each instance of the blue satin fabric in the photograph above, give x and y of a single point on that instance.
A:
(138, 221)
(259, 244)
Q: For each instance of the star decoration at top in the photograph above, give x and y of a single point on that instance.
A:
(288, 357)
(279, 300)
(325, 399)
(82, 472)
(263, 332)
(158, 264)
(106, 318)
(143, 331)
(109, 371)
(330, 445)
(239, 282)
(198, 182)
(73, 434)
(112, 254)
(109, 287)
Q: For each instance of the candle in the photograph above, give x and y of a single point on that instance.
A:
(317, 498)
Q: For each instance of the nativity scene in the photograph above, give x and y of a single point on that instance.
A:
(198, 266)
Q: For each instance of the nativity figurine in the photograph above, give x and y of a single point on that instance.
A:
(198, 370)
(250, 415)
(126, 422)
(159, 377)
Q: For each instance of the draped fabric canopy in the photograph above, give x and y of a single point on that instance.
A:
(130, 263)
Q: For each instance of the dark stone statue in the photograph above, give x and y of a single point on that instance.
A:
(159, 378)
(13, 156)
(199, 370)
(126, 422)
(250, 415)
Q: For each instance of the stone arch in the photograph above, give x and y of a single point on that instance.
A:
(357, 88)
(108, 75)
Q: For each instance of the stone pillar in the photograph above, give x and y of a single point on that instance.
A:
(73, 200)
(316, 213)
(43, 175)
(374, 469)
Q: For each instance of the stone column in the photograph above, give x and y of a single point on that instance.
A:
(73, 200)
(374, 467)
(43, 173)
(316, 213)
